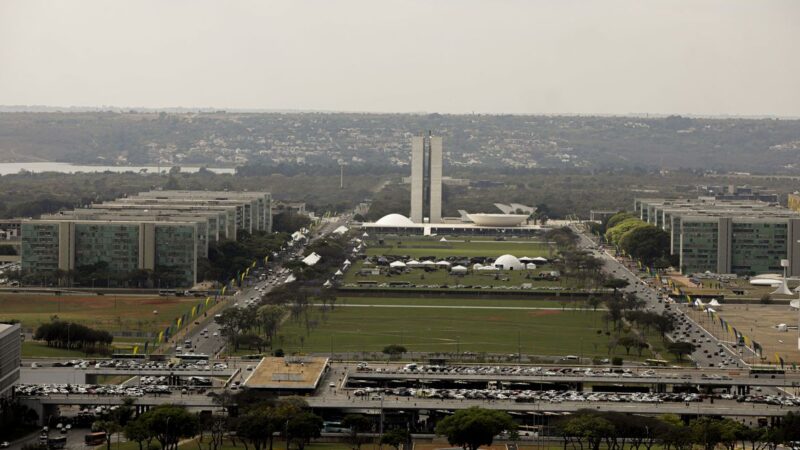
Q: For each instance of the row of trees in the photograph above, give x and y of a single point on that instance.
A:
(74, 336)
(256, 327)
(642, 241)
(258, 420)
(228, 257)
(100, 274)
(589, 429)
(15, 418)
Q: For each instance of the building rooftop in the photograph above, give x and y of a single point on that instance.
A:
(289, 373)
(711, 207)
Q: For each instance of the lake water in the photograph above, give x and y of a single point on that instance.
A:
(39, 167)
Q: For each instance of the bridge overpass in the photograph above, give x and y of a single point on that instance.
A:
(110, 371)
(727, 408)
(694, 379)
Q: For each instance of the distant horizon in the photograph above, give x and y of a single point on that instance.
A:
(210, 109)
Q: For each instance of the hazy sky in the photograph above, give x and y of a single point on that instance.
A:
(459, 56)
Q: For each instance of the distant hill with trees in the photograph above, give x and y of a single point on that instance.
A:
(288, 143)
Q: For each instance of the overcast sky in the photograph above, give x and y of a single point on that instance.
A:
(452, 56)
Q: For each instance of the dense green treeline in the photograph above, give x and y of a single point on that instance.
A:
(288, 140)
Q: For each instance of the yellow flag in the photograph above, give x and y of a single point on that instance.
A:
(135, 349)
(208, 299)
(179, 321)
(777, 358)
(254, 264)
(160, 336)
(223, 289)
(194, 309)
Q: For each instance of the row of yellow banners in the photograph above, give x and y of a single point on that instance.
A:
(197, 309)
(755, 346)
(730, 329)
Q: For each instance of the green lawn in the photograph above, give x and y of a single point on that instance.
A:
(449, 301)
(544, 332)
(466, 247)
(35, 349)
(108, 312)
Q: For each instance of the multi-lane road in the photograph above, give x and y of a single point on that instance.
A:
(709, 351)
(208, 338)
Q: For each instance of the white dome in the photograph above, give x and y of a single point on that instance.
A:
(508, 262)
(394, 220)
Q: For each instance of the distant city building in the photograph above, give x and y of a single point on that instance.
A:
(727, 236)
(732, 192)
(793, 201)
(164, 232)
(426, 179)
(447, 181)
(10, 351)
(602, 214)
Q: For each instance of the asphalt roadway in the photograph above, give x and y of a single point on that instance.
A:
(339, 400)
(212, 343)
(706, 343)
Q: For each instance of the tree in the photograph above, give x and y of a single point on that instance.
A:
(616, 284)
(629, 341)
(672, 432)
(107, 426)
(217, 425)
(394, 350)
(706, 432)
(615, 233)
(586, 426)
(594, 302)
(269, 319)
(257, 425)
(357, 424)
(303, 427)
(680, 349)
(473, 427)
(169, 423)
(137, 431)
(617, 218)
(394, 438)
(646, 243)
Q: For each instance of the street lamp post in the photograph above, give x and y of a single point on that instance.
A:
(167, 429)
(380, 426)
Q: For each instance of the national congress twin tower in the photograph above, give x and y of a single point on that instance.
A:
(158, 231)
(426, 179)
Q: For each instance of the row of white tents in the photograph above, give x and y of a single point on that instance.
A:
(505, 262)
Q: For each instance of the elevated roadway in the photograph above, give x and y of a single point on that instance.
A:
(726, 408)
(695, 379)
